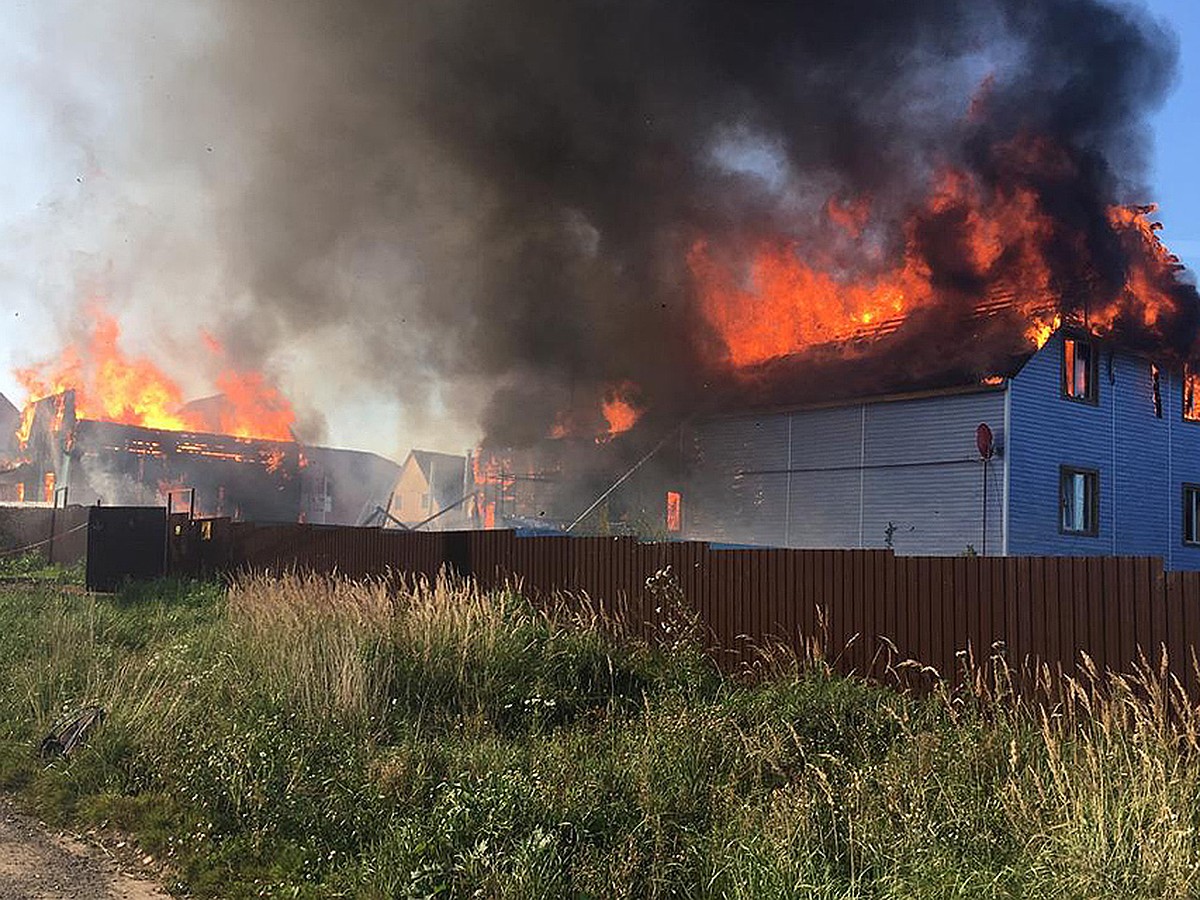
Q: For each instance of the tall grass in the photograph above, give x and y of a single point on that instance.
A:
(316, 737)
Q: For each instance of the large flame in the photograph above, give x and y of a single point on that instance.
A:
(787, 297)
(621, 405)
(621, 408)
(112, 386)
(493, 480)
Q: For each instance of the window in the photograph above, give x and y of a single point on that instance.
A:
(674, 511)
(1156, 388)
(1079, 370)
(1191, 394)
(1191, 513)
(1079, 499)
(425, 501)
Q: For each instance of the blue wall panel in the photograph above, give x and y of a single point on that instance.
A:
(1185, 469)
(1047, 431)
(1143, 459)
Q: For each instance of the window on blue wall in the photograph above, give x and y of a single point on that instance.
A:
(1191, 394)
(1079, 370)
(1079, 500)
(1156, 389)
(1191, 513)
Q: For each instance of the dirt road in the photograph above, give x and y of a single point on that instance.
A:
(37, 863)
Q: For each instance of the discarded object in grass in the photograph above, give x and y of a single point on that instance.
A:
(69, 733)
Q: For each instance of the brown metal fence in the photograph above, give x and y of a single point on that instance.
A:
(870, 609)
(57, 535)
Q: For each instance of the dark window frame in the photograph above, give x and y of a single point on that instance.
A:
(677, 506)
(1093, 529)
(1183, 389)
(1188, 486)
(1091, 396)
(1156, 395)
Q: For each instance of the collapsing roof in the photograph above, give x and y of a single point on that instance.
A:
(902, 357)
(217, 474)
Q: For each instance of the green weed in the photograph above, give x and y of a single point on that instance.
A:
(314, 737)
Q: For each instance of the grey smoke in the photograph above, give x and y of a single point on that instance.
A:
(484, 208)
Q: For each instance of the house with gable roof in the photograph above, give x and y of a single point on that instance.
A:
(430, 484)
(1094, 451)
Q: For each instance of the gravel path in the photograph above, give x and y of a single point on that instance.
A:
(38, 863)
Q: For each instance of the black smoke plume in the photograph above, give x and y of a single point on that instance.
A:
(493, 202)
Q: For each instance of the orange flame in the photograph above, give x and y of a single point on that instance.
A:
(620, 409)
(489, 469)
(783, 305)
(1041, 328)
(788, 297)
(113, 386)
(26, 427)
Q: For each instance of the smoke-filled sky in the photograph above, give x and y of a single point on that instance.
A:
(428, 219)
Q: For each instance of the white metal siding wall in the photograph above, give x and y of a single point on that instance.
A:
(925, 476)
(823, 507)
(725, 503)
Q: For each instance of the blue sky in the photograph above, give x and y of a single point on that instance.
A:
(60, 208)
(1175, 175)
(1175, 164)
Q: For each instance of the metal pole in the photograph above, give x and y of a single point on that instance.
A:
(985, 464)
(459, 502)
(616, 484)
(54, 519)
(166, 565)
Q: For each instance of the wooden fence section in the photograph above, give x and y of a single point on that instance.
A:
(870, 609)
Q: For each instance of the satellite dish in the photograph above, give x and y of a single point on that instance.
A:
(985, 441)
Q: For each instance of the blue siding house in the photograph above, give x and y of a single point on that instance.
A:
(1096, 452)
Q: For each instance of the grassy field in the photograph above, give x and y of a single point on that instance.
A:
(318, 739)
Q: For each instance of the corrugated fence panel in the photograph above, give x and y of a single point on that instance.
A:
(868, 609)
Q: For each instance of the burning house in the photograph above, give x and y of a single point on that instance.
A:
(1089, 450)
(588, 486)
(343, 487)
(617, 237)
(250, 479)
(111, 428)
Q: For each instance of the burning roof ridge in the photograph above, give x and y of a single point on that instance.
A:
(183, 434)
(1001, 299)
